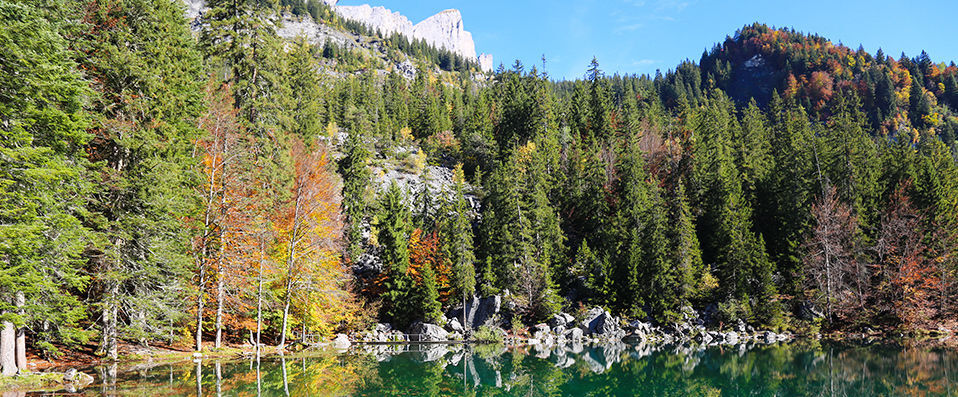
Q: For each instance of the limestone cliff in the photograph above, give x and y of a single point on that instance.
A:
(443, 30)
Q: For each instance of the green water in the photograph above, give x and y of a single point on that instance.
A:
(799, 369)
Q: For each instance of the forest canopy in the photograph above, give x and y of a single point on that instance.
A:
(166, 185)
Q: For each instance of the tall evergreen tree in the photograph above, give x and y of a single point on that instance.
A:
(148, 84)
(43, 181)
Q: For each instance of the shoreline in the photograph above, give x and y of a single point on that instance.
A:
(76, 374)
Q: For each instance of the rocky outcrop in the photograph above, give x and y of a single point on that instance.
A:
(428, 332)
(479, 312)
(486, 62)
(384, 20)
(446, 30)
(443, 30)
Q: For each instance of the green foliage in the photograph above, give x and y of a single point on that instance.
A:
(149, 94)
(355, 171)
(487, 334)
(394, 230)
(44, 179)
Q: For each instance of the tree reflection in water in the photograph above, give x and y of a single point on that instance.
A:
(798, 369)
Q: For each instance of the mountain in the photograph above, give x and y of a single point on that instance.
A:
(759, 61)
(443, 30)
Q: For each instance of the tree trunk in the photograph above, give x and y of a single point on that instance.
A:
(108, 337)
(303, 335)
(259, 310)
(7, 351)
(282, 331)
(290, 263)
(220, 297)
(199, 307)
(221, 260)
(199, 377)
(21, 341)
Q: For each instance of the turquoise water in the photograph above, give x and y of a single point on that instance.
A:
(797, 369)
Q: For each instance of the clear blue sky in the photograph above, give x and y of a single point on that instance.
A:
(640, 36)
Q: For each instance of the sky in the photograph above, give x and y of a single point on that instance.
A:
(642, 36)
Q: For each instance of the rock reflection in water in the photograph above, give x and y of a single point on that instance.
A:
(612, 369)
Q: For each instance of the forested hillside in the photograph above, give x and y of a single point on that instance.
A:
(167, 186)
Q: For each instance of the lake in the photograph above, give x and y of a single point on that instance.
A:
(804, 368)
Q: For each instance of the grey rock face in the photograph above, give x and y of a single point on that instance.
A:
(479, 312)
(604, 324)
(429, 332)
(561, 319)
(443, 30)
(574, 334)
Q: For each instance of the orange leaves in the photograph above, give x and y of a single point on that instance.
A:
(907, 274)
(820, 88)
(426, 251)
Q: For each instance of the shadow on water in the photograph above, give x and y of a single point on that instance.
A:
(797, 369)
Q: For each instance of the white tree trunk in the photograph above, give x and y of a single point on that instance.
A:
(220, 297)
(199, 308)
(108, 338)
(282, 331)
(7, 350)
(21, 342)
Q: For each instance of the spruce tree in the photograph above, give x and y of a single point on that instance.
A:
(399, 300)
(457, 237)
(149, 90)
(355, 171)
(43, 180)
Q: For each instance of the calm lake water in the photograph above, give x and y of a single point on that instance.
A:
(797, 369)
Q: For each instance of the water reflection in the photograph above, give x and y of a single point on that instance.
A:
(616, 369)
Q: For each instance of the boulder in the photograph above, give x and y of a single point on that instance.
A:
(770, 337)
(561, 319)
(740, 327)
(429, 332)
(574, 334)
(604, 324)
(341, 341)
(76, 378)
(640, 327)
(706, 338)
(731, 337)
(454, 326)
(600, 322)
(541, 328)
(590, 316)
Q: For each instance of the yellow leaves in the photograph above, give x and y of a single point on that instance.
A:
(418, 162)
(458, 176)
(405, 134)
(526, 151)
(331, 131)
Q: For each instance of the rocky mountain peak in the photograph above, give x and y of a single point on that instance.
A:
(443, 30)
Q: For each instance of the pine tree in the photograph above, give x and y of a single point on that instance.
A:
(738, 253)
(850, 160)
(686, 256)
(600, 120)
